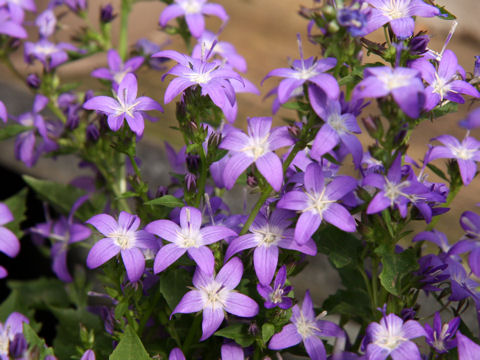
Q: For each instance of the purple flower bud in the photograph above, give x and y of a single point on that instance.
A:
(17, 346)
(106, 14)
(161, 191)
(408, 314)
(418, 44)
(476, 69)
(251, 180)
(33, 81)
(190, 181)
(192, 162)
(92, 132)
(294, 130)
(214, 139)
(253, 329)
(353, 19)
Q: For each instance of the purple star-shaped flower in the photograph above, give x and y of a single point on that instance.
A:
(9, 244)
(393, 190)
(268, 233)
(392, 337)
(125, 105)
(227, 51)
(117, 70)
(306, 328)
(440, 337)
(189, 238)
(398, 13)
(467, 153)
(10, 26)
(277, 296)
(121, 237)
(303, 70)
(16, 7)
(256, 147)
(49, 54)
(318, 202)
(404, 84)
(9, 331)
(27, 148)
(444, 83)
(193, 11)
(214, 79)
(65, 231)
(215, 295)
(339, 127)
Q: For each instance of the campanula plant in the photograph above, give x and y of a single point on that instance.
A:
(142, 272)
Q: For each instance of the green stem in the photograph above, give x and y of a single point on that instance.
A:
(123, 37)
(203, 178)
(191, 334)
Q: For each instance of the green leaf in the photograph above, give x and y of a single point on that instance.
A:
(351, 303)
(17, 205)
(437, 171)
(64, 196)
(12, 303)
(173, 285)
(130, 347)
(396, 267)
(126, 195)
(448, 108)
(342, 248)
(167, 200)
(41, 293)
(12, 130)
(267, 332)
(444, 13)
(34, 341)
(70, 322)
(237, 332)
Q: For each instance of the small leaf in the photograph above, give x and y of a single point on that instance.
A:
(41, 292)
(130, 347)
(12, 130)
(437, 171)
(17, 206)
(444, 13)
(173, 285)
(167, 200)
(34, 341)
(126, 195)
(237, 332)
(267, 332)
(396, 266)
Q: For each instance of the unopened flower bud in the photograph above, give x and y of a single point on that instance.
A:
(253, 329)
(476, 69)
(106, 14)
(190, 181)
(214, 139)
(17, 346)
(333, 27)
(161, 191)
(33, 81)
(329, 11)
(93, 134)
(294, 130)
(251, 180)
(192, 162)
(418, 44)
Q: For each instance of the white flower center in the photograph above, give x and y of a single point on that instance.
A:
(214, 295)
(390, 338)
(318, 202)
(257, 147)
(45, 49)
(189, 238)
(393, 191)
(191, 6)
(124, 239)
(199, 78)
(4, 344)
(441, 86)
(439, 339)
(394, 81)
(276, 296)
(336, 122)
(462, 152)
(268, 235)
(305, 74)
(397, 9)
(305, 327)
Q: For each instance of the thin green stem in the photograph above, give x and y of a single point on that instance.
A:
(123, 37)
(191, 334)
(203, 178)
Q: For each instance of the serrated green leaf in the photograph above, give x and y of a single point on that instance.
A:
(173, 285)
(34, 341)
(63, 197)
(41, 293)
(17, 206)
(396, 266)
(167, 200)
(342, 248)
(68, 338)
(267, 332)
(12, 130)
(237, 332)
(130, 347)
